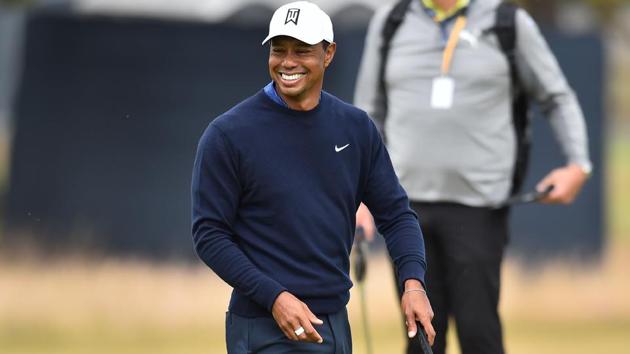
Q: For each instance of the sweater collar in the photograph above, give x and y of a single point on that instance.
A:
(271, 92)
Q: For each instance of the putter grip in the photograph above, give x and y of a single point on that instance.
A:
(422, 337)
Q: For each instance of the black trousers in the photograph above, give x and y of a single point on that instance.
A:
(465, 248)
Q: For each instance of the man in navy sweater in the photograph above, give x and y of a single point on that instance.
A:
(276, 184)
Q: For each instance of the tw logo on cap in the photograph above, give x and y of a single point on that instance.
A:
(292, 16)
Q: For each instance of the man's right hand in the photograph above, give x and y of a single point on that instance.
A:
(566, 181)
(292, 314)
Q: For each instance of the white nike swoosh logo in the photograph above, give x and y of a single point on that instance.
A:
(337, 149)
(469, 37)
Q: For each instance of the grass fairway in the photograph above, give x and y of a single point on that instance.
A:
(77, 307)
(618, 191)
(110, 340)
(553, 337)
(526, 337)
(138, 308)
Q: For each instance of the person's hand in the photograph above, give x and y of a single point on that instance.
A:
(292, 315)
(566, 181)
(366, 221)
(416, 307)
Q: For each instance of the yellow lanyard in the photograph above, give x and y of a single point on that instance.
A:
(447, 57)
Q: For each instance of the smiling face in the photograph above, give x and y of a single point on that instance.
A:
(298, 68)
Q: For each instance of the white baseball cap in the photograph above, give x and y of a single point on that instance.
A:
(303, 21)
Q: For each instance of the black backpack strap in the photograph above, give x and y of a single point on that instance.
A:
(393, 21)
(505, 30)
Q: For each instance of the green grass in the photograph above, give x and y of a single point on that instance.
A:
(618, 189)
(558, 337)
(98, 309)
(39, 340)
(522, 337)
(139, 308)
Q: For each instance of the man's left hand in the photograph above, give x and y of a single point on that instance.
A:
(566, 181)
(416, 307)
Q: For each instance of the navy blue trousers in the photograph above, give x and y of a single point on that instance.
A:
(261, 335)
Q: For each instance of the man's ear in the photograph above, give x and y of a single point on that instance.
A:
(329, 54)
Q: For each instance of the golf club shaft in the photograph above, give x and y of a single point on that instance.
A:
(366, 326)
(422, 337)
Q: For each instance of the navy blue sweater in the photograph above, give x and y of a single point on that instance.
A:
(274, 197)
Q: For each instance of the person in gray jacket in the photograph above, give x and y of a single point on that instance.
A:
(447, 120)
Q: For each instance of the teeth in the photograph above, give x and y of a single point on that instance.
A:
(291, 77)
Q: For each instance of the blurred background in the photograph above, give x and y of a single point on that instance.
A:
(101, 106)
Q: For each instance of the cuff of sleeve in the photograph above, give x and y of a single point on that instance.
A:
(267, 294)
(585, 165)
(411, 270)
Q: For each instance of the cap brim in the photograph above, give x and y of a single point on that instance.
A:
(267, 39)
(309, 41)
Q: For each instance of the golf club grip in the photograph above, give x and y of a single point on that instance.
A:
(530, 197)
(424, 341)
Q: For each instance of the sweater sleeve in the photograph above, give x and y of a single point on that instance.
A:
(216, 190)
(388, 202)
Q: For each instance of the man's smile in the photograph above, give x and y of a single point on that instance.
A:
(291, 77)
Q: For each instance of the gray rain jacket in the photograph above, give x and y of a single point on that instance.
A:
(464, 154)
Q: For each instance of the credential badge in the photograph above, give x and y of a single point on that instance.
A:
(292, 16)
